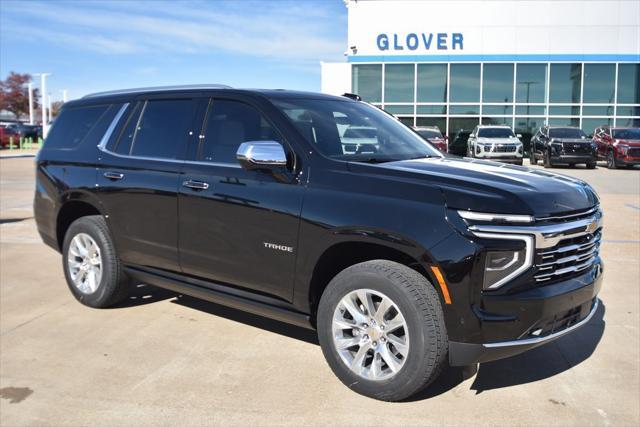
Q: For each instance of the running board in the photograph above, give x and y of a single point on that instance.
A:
(223, 298)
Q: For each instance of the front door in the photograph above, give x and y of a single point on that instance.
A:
(238, 227)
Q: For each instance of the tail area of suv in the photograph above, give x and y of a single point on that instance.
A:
(403, 260)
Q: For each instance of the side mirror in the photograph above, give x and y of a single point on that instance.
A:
(519, 135)
(261, 155)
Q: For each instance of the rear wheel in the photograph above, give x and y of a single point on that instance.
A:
(92, 269)
(611, 160)
(382, 331)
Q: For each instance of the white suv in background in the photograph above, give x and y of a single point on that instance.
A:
(492, 142)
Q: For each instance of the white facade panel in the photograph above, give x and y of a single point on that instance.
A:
(336, 78)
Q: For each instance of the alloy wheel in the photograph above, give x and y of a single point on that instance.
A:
(370, 334)
(85, 263)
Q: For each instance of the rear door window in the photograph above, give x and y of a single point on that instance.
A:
(75, 124)
(157, 129)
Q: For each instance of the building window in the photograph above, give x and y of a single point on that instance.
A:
(399, 109)
(564, 121)
(531, 83)
(565, 83)
(599, 83)
(440, 122)
(432, 83)
(465, 110)
(508, 121)
(398, 83)
(498, 110)
(497, 81)
(604, 110)
(629, 84)
(465, 83)
(431, 109)
(367, 82)
(589, 125)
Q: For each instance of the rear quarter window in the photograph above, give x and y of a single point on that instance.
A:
(78, 125)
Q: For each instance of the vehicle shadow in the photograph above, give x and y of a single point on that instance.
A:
(142, 294)
(291, 331)
(534, 365)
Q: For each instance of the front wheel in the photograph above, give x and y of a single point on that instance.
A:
(381, 329)
(532, 158)
(92, 269)
(591, 165)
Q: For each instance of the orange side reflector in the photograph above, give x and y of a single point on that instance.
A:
(442, 283)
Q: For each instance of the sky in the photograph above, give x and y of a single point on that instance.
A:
(91, 46)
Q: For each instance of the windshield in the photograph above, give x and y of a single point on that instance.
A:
(495, 133)
(633, 133)
(355, 131)
(566, 133)
(428, 133)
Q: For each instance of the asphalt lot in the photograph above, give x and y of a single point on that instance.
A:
(163, 360)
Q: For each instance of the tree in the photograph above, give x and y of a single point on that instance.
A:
(14, 94)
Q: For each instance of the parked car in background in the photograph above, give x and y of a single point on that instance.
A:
(620, 146)
(7, 134)
(26, 131)
(562, 144)
(433, 135)
(491, 142)
(359, 139)
(458, 146)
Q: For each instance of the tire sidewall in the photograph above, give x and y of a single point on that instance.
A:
(406, 378)
(94, 299)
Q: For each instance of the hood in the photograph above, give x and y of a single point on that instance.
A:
(485, 186)
(484, 140)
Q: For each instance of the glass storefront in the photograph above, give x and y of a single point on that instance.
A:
(458, 96)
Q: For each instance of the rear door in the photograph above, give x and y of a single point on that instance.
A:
(238, 226)
(138, 179)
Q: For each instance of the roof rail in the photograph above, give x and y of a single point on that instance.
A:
(157, 89)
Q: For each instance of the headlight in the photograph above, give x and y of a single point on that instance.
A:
(501, 266)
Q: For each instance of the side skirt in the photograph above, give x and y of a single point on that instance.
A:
(223, 295)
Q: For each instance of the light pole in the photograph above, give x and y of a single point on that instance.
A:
(43, 89)
(30, 89)
(65, 94)
(49, 105)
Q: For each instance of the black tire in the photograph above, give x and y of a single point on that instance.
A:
(113, 286)
(520, 162)
(418, 302)
(591, 165)
(611, 160)
(532, 158)
(546, 160)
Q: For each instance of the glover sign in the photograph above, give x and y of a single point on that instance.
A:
(420, 41)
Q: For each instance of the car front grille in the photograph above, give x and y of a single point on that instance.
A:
(504, 149)
(576, 148)
(569, 258)
(633, 152)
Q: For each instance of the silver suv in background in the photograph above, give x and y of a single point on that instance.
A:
(493, 142)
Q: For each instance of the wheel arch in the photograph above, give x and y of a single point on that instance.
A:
(344, 254)
(74, 205)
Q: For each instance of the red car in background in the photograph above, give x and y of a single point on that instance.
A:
(433, 135)
(7, 134)
(620, 146)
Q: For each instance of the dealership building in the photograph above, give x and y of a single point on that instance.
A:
(456, 64)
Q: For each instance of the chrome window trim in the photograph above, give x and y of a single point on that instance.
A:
(530, 341)
(107, 135)
(528, 256)
(546, 236)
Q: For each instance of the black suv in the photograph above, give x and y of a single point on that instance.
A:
(400, 257)
(562, 144)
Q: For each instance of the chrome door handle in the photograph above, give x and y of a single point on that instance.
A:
(196, 185)
(113, 175)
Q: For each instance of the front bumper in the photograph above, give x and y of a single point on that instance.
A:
(628, 160)
(500, 157)
(573, 158)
